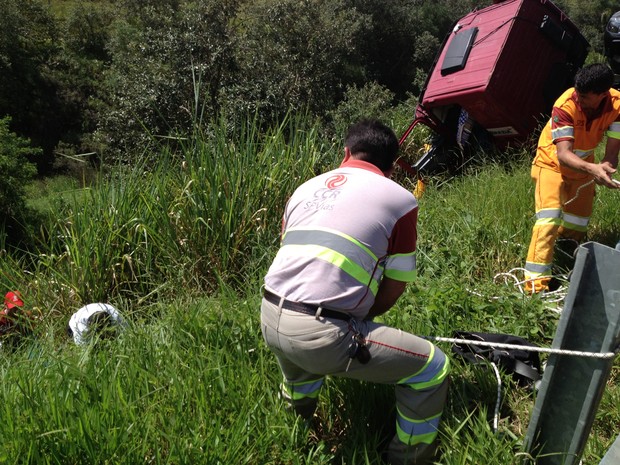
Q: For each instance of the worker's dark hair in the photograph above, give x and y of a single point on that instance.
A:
(596, 78)
(372, 141)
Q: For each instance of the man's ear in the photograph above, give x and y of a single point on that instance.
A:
(347, 154)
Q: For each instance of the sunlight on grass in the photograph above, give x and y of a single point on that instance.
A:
(180, 246)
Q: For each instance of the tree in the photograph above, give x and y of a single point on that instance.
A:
(27, 44)
(16, 171)
(591, 18)
(293, 55)
(169, 60)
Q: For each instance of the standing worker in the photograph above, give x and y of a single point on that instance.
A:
(564, 168)
(347, 253)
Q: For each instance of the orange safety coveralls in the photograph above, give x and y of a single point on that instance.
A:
(564, 197)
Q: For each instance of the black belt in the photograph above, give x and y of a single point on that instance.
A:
(308, 309)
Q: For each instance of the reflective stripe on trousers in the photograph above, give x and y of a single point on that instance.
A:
(308, 349)
(563, 208)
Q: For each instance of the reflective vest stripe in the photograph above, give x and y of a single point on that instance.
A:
(401, 267)
(434, 372)
(306, 389)
(349, 254)
(564, 131)
(308, 235)
(337, 259)
(334, 240)
(412, 431)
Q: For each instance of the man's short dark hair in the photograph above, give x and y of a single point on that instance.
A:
(374, 142)
(596, 78)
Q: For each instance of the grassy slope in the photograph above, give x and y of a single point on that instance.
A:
(192, 382)
(196, 384)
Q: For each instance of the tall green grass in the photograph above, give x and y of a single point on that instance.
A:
(206, 213)
(180, 248)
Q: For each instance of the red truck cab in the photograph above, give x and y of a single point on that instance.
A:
(499, 71)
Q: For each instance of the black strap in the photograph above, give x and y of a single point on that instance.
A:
(307, 309)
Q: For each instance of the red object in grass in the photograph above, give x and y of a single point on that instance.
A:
(13, 299)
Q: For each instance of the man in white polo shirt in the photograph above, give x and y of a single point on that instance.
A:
(347, 253)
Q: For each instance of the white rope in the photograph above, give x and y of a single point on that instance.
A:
(577, 192)
(502, 345)
(550, 296)
(499, 398)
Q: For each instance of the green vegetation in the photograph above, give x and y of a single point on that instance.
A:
(100, 77)
(16, 173)
(181, 248)
(168, 207)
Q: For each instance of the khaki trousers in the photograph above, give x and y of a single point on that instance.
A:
(309, 348)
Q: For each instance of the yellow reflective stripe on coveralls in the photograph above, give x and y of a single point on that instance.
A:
(304, 390)
(343, 251)
(537, 269)
(549, 216)
(578, 223)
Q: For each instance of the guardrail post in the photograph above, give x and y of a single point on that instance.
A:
(612, 457)
(572, 386)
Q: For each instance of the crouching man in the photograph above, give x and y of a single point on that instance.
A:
(347, 253)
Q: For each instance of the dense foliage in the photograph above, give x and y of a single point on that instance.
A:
(104, 77)
(16, 171)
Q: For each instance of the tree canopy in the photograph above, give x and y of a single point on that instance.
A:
(111, 77)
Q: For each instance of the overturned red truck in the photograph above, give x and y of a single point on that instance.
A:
(494, 80)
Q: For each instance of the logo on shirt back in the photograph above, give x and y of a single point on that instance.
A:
(335, 181)
(325, 197)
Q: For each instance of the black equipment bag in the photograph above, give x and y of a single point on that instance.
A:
(524, 365)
